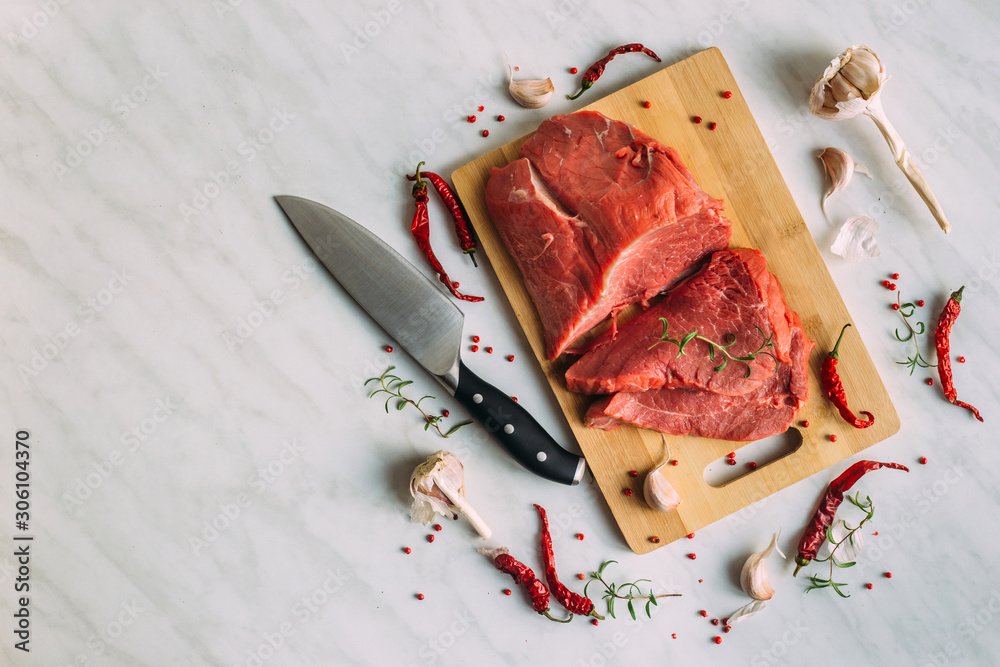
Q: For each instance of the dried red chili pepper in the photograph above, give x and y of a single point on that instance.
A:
(458, 214)
(573, 601)
(812, 538)
(834, 388)
(523, 575)
(420, 228)
(942, 337)
(597, 69)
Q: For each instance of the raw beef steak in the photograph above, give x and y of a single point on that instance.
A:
(767, 410)
(735, 295)
(598, 215)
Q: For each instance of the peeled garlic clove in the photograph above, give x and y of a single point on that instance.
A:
(659, 492)
(857, 239)
(841, 167)
(530, 93)
(754, 579)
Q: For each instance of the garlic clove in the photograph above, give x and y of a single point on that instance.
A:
(857, 239)
(659, 492)
(840, 167)
(754, 579)
(864, 71)
(842, 89)
(657, 489)
(530, 93)
(438, 487)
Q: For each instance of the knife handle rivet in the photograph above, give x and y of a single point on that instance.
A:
(508, 429)
(541, 456)
(477, 398)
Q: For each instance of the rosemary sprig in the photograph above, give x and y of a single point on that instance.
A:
(906, 310)
(629, 592)
(817, 582)
(713, 347)
(393, 385)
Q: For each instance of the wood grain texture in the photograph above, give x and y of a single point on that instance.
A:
(733, 163)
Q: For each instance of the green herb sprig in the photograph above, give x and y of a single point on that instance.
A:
(393, 385)
(629, 592)
(868, 508)
(906, 310)
(713, 347)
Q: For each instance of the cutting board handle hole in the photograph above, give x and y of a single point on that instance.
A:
(762, 452)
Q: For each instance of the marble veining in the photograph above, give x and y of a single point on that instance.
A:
(210, 484)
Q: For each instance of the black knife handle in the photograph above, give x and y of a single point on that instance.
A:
(516, 430)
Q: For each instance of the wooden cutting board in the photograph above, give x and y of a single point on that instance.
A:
(733, 163)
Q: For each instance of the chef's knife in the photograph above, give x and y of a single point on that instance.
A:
(425, 323)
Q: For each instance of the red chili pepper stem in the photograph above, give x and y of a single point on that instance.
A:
(420, 184)
(835, 352)
(583, 88)
(549, 616)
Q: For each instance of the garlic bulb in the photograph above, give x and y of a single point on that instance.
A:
(530, 93)
(754, 579)
(851, 82)
(657, 489)
(840, 167)
(438, 486)
(857, 239)
(851, 85)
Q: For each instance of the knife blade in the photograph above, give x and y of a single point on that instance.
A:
(424, 322)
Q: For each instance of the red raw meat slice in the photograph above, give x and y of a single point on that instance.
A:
(626, 220)
(733, 294)
(768, 410)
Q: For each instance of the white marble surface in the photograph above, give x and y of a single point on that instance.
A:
(181, 364)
